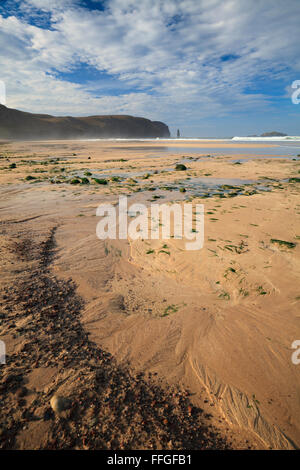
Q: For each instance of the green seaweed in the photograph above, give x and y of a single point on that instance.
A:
(180, 167)
(75, 181)
(164, 251)
(261, 290)
(294, 180)
(85, 181)
(170, 309)
(224, 296)
(100, 181)
(283, 243)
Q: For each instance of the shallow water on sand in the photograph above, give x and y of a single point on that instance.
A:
(290, 150)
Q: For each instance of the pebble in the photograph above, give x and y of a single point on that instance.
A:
(59, 404)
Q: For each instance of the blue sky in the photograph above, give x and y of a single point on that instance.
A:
(208, 67)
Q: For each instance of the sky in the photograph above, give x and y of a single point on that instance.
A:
(208, 67)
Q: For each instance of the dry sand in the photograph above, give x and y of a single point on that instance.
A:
(218, 322)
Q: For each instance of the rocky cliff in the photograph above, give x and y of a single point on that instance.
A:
(16, 124)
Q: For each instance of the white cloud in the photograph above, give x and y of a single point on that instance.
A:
(167, 50)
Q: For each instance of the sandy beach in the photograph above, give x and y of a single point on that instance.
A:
(195, 346)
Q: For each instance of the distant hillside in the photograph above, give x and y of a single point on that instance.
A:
(16, 124)
(273, 134)
(269, 134)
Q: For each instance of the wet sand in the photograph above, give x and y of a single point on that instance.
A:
(218, 322)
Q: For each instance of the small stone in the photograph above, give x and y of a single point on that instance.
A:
(39, 413)
(59, 404)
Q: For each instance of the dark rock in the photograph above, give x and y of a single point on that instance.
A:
(180, 167)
